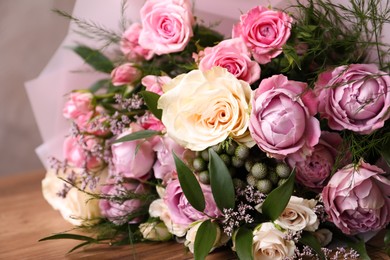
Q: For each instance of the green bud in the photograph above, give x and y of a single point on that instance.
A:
(238, 183)
(237, 162)
(225, 158)
(251, 180)
(264, 186)
(281, 181)
(217, 148)
(282, 170)
(242, 152)
(231, 148)
(259, 170)
(205, 155)
(232, 171)
(204, 177)
(273, 177)
(248, 165)
(199, 164)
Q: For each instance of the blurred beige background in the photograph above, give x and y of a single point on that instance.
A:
(29, 35)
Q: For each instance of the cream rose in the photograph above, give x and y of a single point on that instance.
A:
(155, 231)
(201, 109)
(268, 243)
(77, 207)
(299, 215)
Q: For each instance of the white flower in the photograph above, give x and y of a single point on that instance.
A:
(158, 209)
(268, 243)
(155, 231)
(77, 207)
(201, 109)
(299, 215)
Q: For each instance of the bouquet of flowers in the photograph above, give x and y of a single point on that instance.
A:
(273, 143)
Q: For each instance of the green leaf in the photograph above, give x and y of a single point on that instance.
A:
(244, 240)
(278, 199)
(94, 58)
(189, 185)
(386, 152)
(99, 84)
(151, 100)
(78, 246)
(360, 247)
(137, 135)
(69, 236)
(205, 239)
(308, 239)
(221, 182)
(386, 239)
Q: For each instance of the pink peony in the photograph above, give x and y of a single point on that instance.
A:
(180, 209)
(357, 198)
(120, 212)
(264, 31)
(124, 74)
(354, 97)
(79, 152)
(314, 170)
(133, 159)
(79, 103)
(166, 25)
(154, 83)
(130, 46)
(232, 55)
(282, 121)
(164, 168)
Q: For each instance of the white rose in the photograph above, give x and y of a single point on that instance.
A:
(158, 209)
(299, 215)
(155, 231)
(268, 243)
(201, 109)
(77, 207)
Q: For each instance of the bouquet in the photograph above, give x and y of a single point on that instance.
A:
(272, 142)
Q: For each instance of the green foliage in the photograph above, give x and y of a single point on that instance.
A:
(103, 83)
(94, 58)
(205, 239)
(278, 199)
(137, 135)
(243, 242)
(360, 247)
(189, 185)
(221, 182)
(151, 100)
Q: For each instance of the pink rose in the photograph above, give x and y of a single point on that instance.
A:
(130, 46)
(79, 103)
(166, 25)
(164, 168)
(357, 198)
(180, 209)
(264, 31)
(93, 122)
(81, 152)
(133, 159)
(120, 212)
(154, 83)
(354, 97)
(282, 121)
(314, 170)
(232, 55)
(150, 122)
(124, 74)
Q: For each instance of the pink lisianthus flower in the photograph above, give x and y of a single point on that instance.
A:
(166, 25)
(79, 103)
(122, 212)
(125, 74)
(164, 168)
(282, 121)
(129, 44)
(357, 198)
(133, 159)
(81, 152)
(150, 122)
(264, 31)
(354, 97)
(314, 170)
(232, 55)
(154, 83)
(180, 209)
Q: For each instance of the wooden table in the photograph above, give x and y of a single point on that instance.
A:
(25, 217)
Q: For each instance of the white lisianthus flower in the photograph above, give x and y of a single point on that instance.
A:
(268, 243)
(77, 207)
(158, 209)
(201, 109)
(155, 231)
(299, 215)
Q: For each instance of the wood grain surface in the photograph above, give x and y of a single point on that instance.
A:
(25, 217)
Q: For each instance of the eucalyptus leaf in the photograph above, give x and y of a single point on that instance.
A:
(278, 199)
(221, 182)
(189, 185)
(243, 242)
(137, 135)
(94, 58)
(69, 236)
(205, 239)
(308, 239)
(151, 100)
